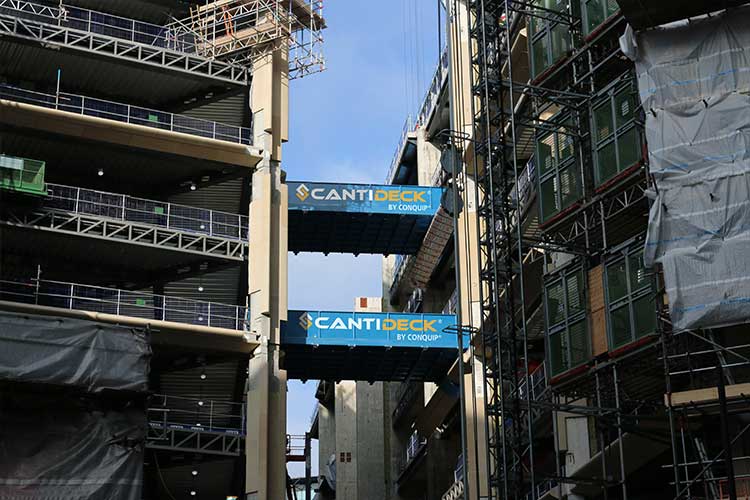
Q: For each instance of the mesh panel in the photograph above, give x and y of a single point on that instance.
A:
(628, 149)
(555, 304)
(569, 186)
(576, 293)
(578, 341)
(620, 326)
(548, 198)
(603, 123)
(644, 312)
(606, 163)
(617, 285)
(556, 356)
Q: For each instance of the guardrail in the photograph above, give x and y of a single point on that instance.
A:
(125, 113)
(156, 213)
(74, 296)
(416, 444)
(91, 21)
(538, 380)
(425, 110)
(193, 414)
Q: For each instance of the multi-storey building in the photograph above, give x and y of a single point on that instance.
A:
(129, 132)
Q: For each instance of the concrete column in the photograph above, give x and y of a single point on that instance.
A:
(370, 441)
(265, 444)
(428, 159)
(346, 441)
(326, 439)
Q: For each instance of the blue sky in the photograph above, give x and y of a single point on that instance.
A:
(344, 127)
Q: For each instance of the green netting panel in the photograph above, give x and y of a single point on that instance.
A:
(555, 304)
(576, 293)
(544, 150)
(595, 12)
(578, 343)
(557, 358)
(22, 175)
(570, 190)
(620, 328)
(548, 198)
(603, 123)
(628, 149)
(639, 276)
(617, 284)
(644, 312)
(550, 40)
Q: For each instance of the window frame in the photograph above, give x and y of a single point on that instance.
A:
(617, 135)
(559, 166)
(564, 326)
(603, 4)
(626, 254)
(540, 28)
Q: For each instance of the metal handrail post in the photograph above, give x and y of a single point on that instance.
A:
(208, 314)
(119, 300)
(211, 416)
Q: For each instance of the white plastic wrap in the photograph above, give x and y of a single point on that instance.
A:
(693, 80)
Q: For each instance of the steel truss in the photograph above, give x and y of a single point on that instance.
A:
(33, 22)
(196, 441)
(133, 233)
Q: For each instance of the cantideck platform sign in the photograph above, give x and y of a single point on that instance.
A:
(364, 198)
(369, 329)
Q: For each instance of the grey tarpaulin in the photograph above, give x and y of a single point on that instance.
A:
(73, 352)
(52, 448)
(693, 81)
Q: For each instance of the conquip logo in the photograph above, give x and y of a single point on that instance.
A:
(305, 321)
(302, 192)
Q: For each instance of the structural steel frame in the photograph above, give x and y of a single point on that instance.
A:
(159, 57)
(128, 232)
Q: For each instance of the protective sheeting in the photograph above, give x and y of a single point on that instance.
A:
(693, 80)
(73, 352)
(58, 449)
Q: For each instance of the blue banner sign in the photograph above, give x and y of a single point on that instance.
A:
(364, 198)
(370, 329)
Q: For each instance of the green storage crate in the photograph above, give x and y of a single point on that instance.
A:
(22, 175)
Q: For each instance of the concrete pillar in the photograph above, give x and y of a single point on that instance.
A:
(326, 439)
(428, 159)
(346, 441)
(265, 444)
(370, 441)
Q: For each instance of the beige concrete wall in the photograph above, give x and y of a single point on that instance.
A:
(371, 483)
(346, 441)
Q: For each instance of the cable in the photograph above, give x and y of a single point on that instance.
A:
(161, 477)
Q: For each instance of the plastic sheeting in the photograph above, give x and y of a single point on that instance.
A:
(58, 449)
(73, 352)
(693, 80)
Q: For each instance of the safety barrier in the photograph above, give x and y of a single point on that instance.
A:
(152, 212)
(136, 304)
(195, 414)
(125, 113)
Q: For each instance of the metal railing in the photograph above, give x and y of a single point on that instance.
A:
(125, 113)
(91, 21)
(156, 213)
(538, 380)
(416, 444)
(541, 489)
(195, 414)
(74, 296)
(425, 111)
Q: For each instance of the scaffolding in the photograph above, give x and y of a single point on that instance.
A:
(649, 398)
(240, 31)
